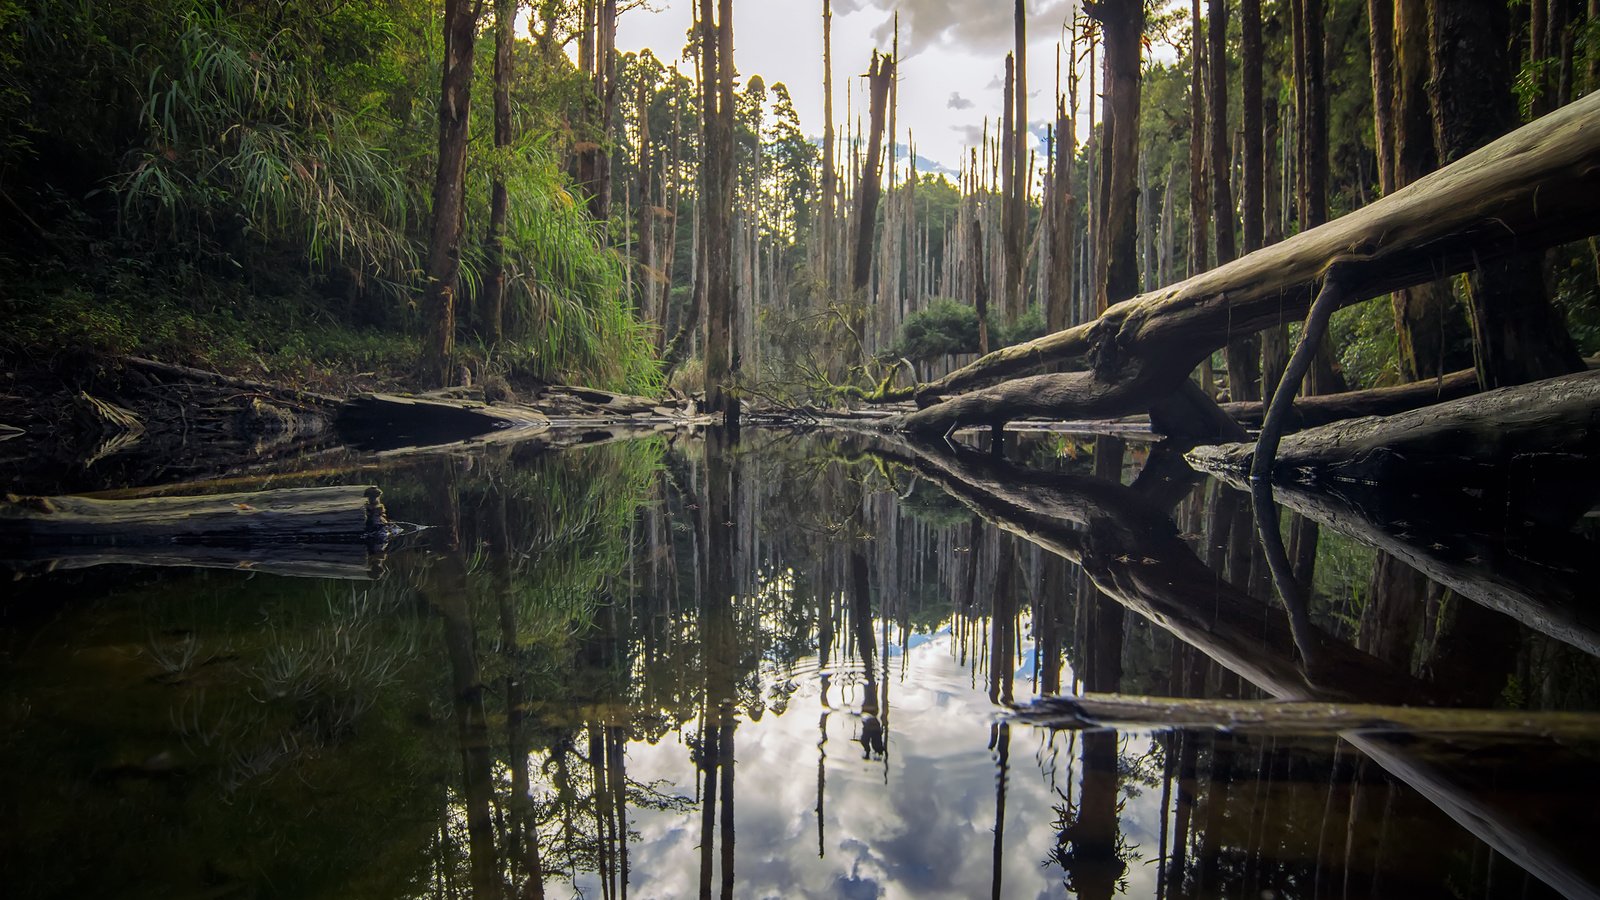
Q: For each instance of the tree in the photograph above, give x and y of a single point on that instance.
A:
(491, 318)
(1123, 24)
(449, 187)
(717, 175)
(1517, 336)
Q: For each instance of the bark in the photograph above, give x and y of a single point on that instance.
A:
(1276, 717)
(1423, 314)
(870, 188)
(1380, 16)
(449, 187)
(1123, 25)
(1309, 412)
(1199, 243)
(322, 515)
(1242, 352)
(1517, 336)
(1017, 201)
(830, 178)
(645, 252)
(1534, 188)
(491, 319)
(1252, 73)
(718, 175)
(1064, 222)
(1466, 444)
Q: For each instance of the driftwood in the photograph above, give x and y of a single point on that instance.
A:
(1476, 443)
(1536, 187)
(1113, 711)
(352, 514)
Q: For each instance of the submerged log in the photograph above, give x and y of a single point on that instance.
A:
(1536, 187)
(1476, 443)
(386, 421)
(1113, 711)
(345, 514)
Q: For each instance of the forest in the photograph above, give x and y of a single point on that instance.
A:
(314, 192)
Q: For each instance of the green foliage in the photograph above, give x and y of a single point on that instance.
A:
(283, 156)
(945, 328)
(1365, 339)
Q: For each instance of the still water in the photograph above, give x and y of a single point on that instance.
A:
(781, 669)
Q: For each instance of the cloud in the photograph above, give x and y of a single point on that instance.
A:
(957, 101)
(976, 26)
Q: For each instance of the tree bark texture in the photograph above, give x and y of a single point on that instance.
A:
(1517, 335)
(491, 319)
(870, 189)
(1123, 24)
(449, 188)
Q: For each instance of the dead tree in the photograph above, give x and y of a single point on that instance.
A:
(1536, 187)
(879, 78)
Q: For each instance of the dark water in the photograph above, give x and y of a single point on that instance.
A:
(779, 670)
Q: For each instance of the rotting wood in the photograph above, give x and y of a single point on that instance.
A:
(324, 514)
(1093, 711)
(1536, 187)
(1475, 443)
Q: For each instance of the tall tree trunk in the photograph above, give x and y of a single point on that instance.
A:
(718, 179)
(491, 318)
(1422, 313)
(1009, 175)
(871, 188)
(1517, 336)
(1021, 172)
(1199, 208)
(830, 177)
(645, 252)
(1123, 24)
(1242, 352)
(449, 188)
(1064, 210)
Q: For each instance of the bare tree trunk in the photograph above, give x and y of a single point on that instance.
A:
(1064, 210)
(1242, 352)
(1517, 336)
(1123, 24)
(449, 188)
(867, 195)
(1017, 201)
(491, 317)
(1423, 313)
(830, 177)
(717, 102)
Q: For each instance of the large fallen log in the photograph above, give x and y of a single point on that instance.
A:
(1534, 188)
(353, 514)
(1115, 711)
(296, 559)
(1477, 443)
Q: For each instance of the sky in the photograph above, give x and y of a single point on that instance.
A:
(952, 58)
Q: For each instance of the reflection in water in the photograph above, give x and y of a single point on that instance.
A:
(666, 672)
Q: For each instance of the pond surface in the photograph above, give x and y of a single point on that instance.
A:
(781, 669)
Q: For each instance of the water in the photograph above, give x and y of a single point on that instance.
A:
(780, 669)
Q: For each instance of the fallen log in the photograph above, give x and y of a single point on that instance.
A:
(1118, 712)
(345, 514)
(1309, 412)
(378, 422)
(1534, 188)
(201, 376)
(1476, 443)
(297, 559)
